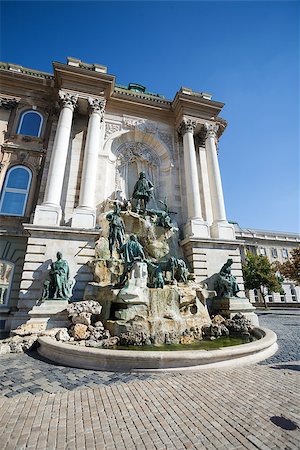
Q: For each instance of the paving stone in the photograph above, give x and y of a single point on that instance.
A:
(46, 406)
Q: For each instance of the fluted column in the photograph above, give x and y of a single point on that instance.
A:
(85, 214)
(195, 225)
(49, 213)
(220, 227)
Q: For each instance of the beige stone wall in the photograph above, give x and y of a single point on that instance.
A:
(77, 248)
(12, 249)
(206, 258)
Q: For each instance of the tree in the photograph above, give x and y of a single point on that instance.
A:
(291, 269)
(260, 274)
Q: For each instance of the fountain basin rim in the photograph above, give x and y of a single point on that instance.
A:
(134, 360)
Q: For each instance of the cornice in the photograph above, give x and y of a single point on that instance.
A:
(82, 79)
(16, 69)
(141, 98)
(195, 106)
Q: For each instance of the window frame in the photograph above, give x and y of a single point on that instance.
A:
(6, 304)
(293, 293)
(15, 190)
(21, 119)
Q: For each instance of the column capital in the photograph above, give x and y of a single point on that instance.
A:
(211, 130)
(8, 103)
(97, 105)
(187, 126)
(68, 100)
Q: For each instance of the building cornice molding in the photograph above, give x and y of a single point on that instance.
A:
(83, 80)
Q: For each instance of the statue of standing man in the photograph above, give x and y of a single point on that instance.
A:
(132, 251)
(116, 229)
(142, 192)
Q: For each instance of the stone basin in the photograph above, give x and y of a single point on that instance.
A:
(156, 361)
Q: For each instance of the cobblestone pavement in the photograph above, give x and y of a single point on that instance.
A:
(44, 406)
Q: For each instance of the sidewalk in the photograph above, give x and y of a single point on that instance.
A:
(51, 407)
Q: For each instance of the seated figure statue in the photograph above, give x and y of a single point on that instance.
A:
(226, 284)
(60, 286)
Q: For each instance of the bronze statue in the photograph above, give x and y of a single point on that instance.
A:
(116, 229)
(155, 275)
(226, 285)
(60, 285)
(142, 192)
(132, 251)
(178, 269)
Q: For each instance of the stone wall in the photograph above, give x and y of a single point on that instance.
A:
(77, 247)
(12, 249)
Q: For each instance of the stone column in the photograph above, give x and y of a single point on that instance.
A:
(195, 226)
(205, 186)
(85, 214)
(49, 213)
(220, 227)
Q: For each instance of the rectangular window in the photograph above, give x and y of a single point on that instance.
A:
(274, 252)
(262, 251)
(285, 253)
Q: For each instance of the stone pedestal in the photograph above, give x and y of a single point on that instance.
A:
(222, 230)
(84, 218)
(196, 228)
(49, 314)
(135, 289)
(47, 215)
(229, 307)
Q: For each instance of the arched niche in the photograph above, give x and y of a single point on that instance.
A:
(131, 152)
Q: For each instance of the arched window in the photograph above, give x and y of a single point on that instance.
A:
(30, 123)
(15, 191)
(6, 275)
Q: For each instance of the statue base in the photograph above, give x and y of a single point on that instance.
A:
(49, 314)
(83, 218)
(230, 306)
(49, 215)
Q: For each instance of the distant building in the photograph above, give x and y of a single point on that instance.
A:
(74, 140)
(277, 246)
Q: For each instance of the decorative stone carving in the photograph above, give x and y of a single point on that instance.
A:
(97, 105)
(187, 125)
(130, 151)
(68, 100)
(211, 130)
(167, 139)
(149, 127)
(131, 123)
(8, 103)
(111, 128)
(145, 159)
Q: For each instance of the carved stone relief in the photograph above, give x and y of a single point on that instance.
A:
(111, 128)
(133, 158)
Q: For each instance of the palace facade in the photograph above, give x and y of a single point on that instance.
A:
(73, 141)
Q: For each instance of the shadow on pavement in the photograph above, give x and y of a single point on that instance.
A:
(282, 422)
(286, 367)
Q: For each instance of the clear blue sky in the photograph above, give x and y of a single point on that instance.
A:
(245, 53)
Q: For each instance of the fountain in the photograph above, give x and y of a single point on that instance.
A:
(145, 296)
